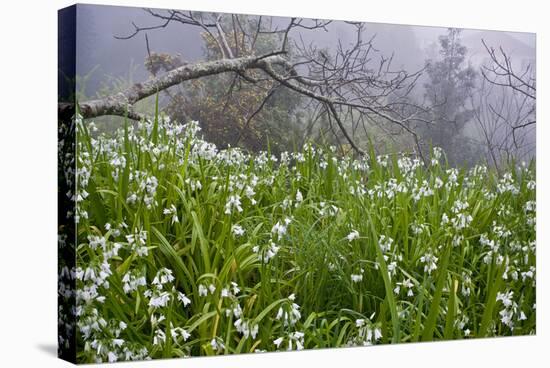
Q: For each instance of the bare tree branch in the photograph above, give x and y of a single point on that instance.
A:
(503, 73)
(121, 103)
(352, 84)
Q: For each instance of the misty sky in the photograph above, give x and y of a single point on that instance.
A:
(411, 45)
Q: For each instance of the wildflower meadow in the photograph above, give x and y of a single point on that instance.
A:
(184, 249)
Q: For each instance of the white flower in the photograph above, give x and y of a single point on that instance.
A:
(97, 241)
(132, 198)
(299, 197)
(237, 230)
(245, 329)
(131, 282)
(203, 291)
(327, 210)
(172, 211)
(392, 267)
(353, 235)
(436, 155)
(522, 316)
(289, 315)
(444, 219)
(278, 341)
(112, 357)
(418, 229)
(249, 192)
(382, 160)
(457, 240)
(163, 276)
(216, 345)
(234, 202)
(286, 203)
(279, 229)
(461, 221)
(385, 243)
(298, 338)
(142, 251)
(506, 317)
(159, 338)
(138, 242)
(530, 206)
(430, 262)
(184, 299)
(377, 334)
(160, 300)
(271, 252)
(194, 184)
(356, 278)
(506, 298)
(409, 285)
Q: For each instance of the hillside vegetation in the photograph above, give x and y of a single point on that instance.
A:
(185, 249)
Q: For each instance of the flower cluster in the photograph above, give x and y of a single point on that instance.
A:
(366, 332)
(186, 248)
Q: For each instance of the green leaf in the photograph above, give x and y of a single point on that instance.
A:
(491, 300)
(387, 283)
(451, 311)
(197, 231)
(430, 325)
(169, 251)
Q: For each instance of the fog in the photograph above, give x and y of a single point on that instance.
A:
(410, 44)
(101, 56)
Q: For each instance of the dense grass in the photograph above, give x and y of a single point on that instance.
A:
(187, 250)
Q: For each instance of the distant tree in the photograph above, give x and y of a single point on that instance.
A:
(450, 84)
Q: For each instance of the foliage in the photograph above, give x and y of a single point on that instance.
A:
(185, 249)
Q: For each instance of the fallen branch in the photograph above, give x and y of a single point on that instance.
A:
(121, 104)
